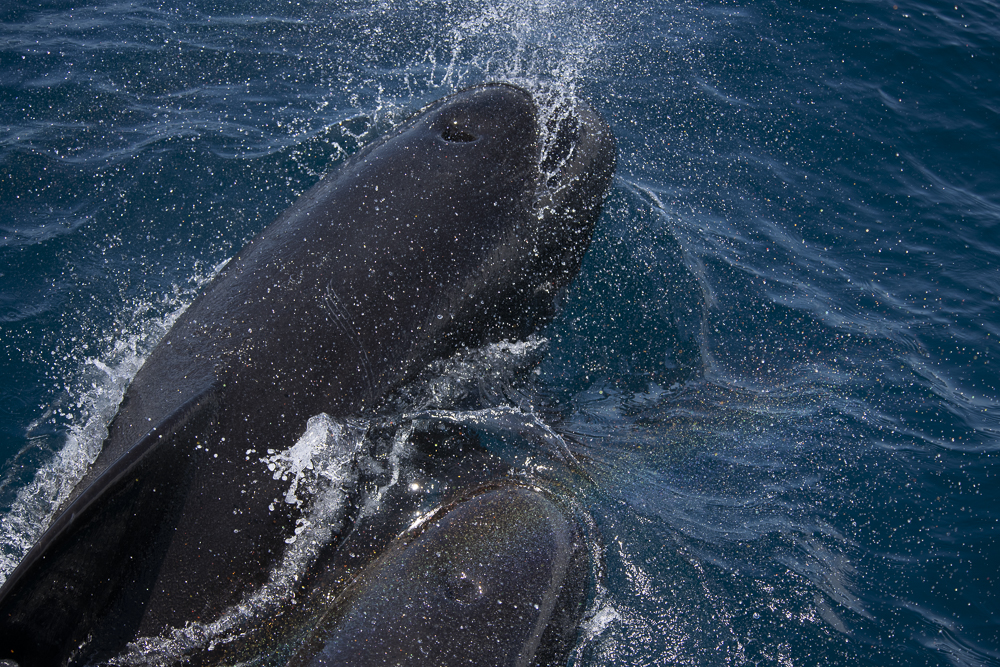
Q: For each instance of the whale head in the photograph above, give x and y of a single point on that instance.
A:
(547, 165)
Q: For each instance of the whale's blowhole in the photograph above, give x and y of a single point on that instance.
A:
(453, 133)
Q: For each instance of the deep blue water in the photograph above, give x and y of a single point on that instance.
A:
(778, 365)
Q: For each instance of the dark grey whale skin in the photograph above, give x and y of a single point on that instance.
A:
(498, 578)
(444, 234)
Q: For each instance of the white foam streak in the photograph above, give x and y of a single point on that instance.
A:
(108, 377)
(88, 405)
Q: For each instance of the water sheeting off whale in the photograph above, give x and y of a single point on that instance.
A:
(455, 230)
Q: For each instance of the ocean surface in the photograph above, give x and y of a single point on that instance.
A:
(778, 366)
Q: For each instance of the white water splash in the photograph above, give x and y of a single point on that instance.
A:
(87, 406)
(323, 449)
(322, 467)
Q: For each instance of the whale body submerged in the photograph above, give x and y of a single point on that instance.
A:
(456, 230)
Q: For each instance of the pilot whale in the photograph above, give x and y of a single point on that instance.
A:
(456, 230)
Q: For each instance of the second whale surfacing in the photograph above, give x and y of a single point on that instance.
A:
(456, 230)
